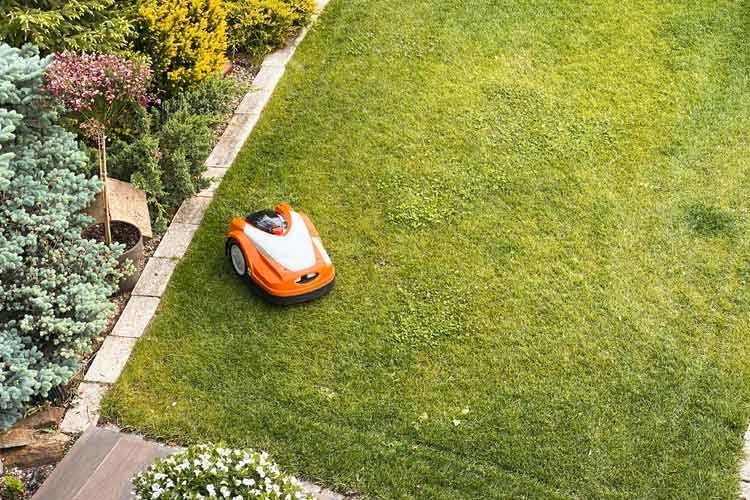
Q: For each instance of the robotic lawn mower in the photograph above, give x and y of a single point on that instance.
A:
(281, 253)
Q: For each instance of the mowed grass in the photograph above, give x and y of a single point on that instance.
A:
(538, 211)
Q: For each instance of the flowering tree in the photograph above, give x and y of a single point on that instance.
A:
(98, 89)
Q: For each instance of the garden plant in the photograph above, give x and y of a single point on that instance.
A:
(57, 25)
(97, 90)
(208, 471)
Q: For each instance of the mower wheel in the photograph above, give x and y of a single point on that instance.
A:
(239, 264)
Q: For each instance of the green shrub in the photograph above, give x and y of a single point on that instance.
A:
(167, 164)
(185, 142)
(11, 488)
(258, 26)
(53, 283)
(185, 40)
(204, 471)
(214, 98)
(54, 25)
(303, 9)
(165, 152)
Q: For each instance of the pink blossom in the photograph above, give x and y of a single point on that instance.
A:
(97, 87)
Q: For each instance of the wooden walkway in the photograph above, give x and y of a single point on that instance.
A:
(99, 467)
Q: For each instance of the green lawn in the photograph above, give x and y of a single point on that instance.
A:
(538, 213)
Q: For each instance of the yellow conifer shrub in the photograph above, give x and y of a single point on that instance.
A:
(186, 40)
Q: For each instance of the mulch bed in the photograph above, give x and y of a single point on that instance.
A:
(122, 232)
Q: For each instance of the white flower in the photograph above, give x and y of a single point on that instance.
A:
(211, 490)
(225, 491)
(260, 472)
(248, 482)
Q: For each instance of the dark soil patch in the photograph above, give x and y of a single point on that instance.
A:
(122, 232)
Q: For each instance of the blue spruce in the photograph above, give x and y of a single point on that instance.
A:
(54, 284)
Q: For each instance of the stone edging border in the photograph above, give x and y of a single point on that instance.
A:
(114, 352)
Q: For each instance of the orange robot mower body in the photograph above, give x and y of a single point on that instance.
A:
(280, 251)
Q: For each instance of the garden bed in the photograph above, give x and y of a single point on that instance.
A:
(34, 476)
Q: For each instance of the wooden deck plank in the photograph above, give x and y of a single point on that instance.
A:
(111, 480)
(78, 465)
(100, 466)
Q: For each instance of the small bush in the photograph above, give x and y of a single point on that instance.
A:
(164, 154)
(186, 40)
(204, 471)
(11, 488)
(214, 98)
(258, 26)
(185, 142)
(81, 26)
(168, 164)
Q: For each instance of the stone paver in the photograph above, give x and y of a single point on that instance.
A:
(191, 211)
(84, 412)
(155, 277)
(744, 490)
(280, 57)
(100, 466)
(231, 142)
(215, 174)
(268, 77)
(254, 101)
(176, 240)
(136, 316)
(208, 193)
(745, 468)
(110, 360)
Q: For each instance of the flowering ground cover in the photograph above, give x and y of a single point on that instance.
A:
(538, 215)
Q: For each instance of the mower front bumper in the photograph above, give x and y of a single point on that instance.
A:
(291, 299)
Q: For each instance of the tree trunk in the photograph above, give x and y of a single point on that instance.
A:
(103, 176)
